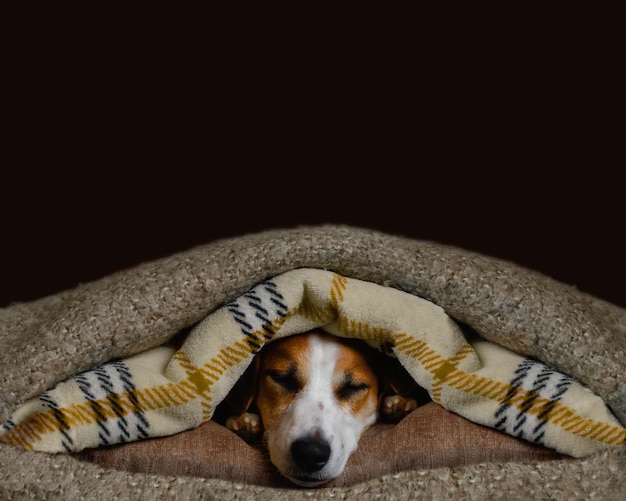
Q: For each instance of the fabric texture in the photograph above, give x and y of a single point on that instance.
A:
(162, 391)
(429, 437)
(47, 341)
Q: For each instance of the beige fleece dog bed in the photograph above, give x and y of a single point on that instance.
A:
(531, 315)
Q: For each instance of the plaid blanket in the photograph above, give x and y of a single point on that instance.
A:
(164, 390)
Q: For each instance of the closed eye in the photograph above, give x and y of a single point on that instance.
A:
(349, 387)
(287, 380)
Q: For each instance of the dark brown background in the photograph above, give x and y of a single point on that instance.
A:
(118, 155)
(60, 233)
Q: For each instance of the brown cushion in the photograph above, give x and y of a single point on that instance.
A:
(429, 437)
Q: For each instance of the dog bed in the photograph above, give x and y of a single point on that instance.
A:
(134, 312)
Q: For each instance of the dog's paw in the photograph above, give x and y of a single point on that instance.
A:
(248, 426)
(396, 407)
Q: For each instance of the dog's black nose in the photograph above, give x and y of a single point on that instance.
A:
(310, 454)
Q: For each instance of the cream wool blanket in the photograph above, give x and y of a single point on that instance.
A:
(165, 391)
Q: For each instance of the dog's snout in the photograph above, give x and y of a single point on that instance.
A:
(311, 453)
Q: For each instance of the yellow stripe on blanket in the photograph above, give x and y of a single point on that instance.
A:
(165, 391)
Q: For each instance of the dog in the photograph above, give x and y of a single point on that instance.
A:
(309, 397)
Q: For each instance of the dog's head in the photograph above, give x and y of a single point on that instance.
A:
(316, 395)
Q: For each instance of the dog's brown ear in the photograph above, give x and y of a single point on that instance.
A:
(395, 380)
(241, 396)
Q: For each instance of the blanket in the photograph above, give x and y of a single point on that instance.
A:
(164, 391)
(129, 313)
